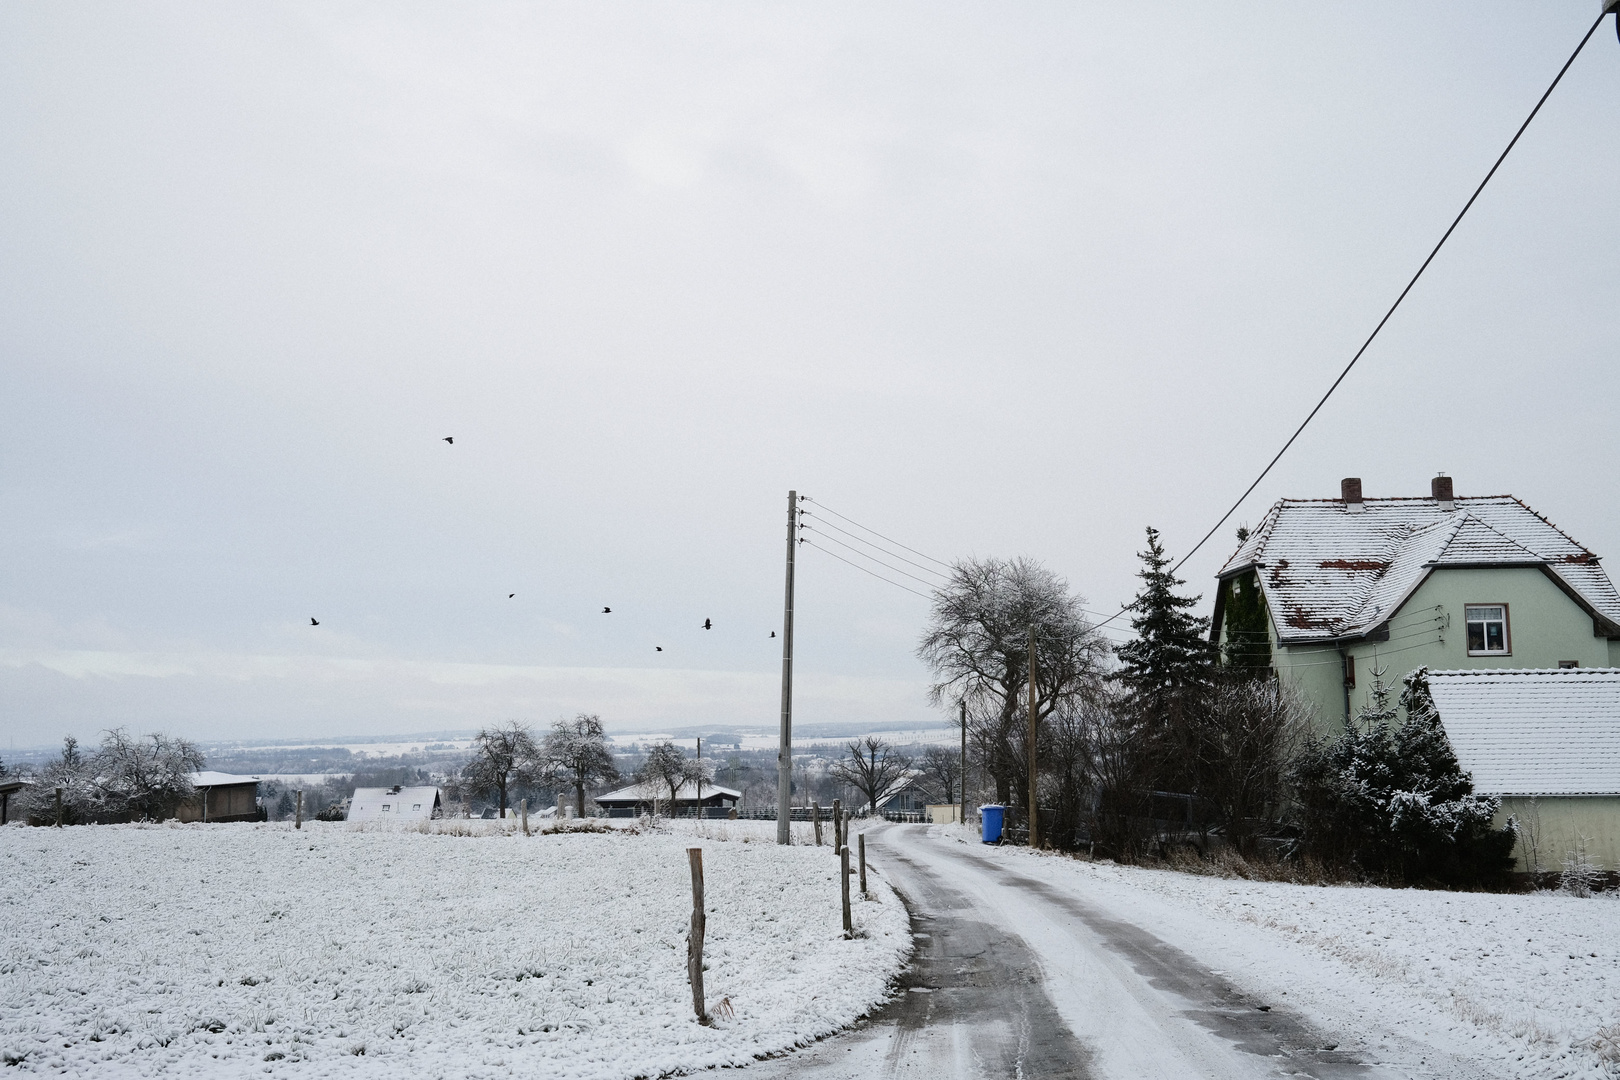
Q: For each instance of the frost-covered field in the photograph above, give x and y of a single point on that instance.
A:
(229, 950)
(1531, 981)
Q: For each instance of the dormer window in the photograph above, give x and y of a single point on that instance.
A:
(1487, 629)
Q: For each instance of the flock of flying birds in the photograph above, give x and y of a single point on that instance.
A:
(708, 624)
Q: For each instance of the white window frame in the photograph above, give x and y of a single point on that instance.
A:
(1507, 629)
(385, 808)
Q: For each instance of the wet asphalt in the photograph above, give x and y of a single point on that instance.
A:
(974, 1001)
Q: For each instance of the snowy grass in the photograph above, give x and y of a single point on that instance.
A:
(460, 950)
(1537, 975)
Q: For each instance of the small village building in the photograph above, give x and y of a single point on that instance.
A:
(638, 799)
(397, 803)
(1547, 742)
(222, 797)
(905, 797)
(1325, 592)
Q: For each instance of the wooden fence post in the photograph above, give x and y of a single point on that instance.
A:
(815, 819)
(58, 808)
(523, 810)
(838, 824)
(694, 938)
(843, 881)
(298, 815)
(862, 839)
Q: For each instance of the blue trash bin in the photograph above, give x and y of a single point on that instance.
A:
(990, 817)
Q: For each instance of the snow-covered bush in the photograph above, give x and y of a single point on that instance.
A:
(1581, 877)
(1392, 801)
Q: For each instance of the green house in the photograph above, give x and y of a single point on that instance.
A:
(1333, 593)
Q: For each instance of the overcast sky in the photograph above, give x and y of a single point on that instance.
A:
(999, 279)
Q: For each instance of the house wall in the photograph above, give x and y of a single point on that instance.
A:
(1544, 627)
(1551, 825)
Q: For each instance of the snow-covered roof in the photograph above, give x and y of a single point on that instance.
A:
(393, 804)
(646, 792)
(209, 778)
(1534, 731)
(1329, 571)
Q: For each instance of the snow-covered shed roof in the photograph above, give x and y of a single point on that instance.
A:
(393, 804)
(1534, 731)
(1329, 570)
(208, 778)
(640, 793)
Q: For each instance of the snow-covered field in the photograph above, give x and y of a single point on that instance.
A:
(1530, 981)
(229, 950)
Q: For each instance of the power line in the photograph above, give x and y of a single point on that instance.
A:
(873, 558)
(1364, 345)
(868, 543)
(874, 532)
(864, 570)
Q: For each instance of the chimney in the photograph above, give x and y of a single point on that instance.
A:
(1350, 492)
(1440, 490)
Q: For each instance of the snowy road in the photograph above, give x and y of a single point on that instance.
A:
(1016, 978)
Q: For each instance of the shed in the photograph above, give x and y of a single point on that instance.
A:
(395, 804)
(638, 799)
(221, 797)
(8, 788)
(1547, 742)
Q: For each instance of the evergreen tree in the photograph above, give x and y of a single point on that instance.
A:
(1171, 655)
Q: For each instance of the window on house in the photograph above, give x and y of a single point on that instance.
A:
(1569, 663)
(1350, 671)
(417, 806)
(385, 808)
(1487, 629)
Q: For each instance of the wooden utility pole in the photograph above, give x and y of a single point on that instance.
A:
(964, 761)
(784, 750)
(843, 878)
(694, 938)
(58, 808)
(298, 814)
(1034, 802)
(700, 778)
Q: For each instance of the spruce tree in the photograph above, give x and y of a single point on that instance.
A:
(1171, 655)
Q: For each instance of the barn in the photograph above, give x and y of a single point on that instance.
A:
(395, 804)
(638, 799)
(221, 797)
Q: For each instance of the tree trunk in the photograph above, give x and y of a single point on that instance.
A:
(579, 792)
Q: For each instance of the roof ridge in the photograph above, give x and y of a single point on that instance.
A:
(1482, 523)
(1553, 527)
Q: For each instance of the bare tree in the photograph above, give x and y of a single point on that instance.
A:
(72, 772)
(148, 778)
(1242, 745)
(668, 768)
(941, 770)
(977, 643)
(871, 767)
(576, 754)
(502, 756)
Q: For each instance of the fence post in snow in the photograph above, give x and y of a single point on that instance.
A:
(694, 937)
(861, 837)
(838, 824)
(523, 809)
(298, 814)
(58, 808)
(843, 881)
(815, 819)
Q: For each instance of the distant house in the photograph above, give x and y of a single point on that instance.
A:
(1325, 590)
(221, 797)
(1547, 741)
(637, 799)
(395, 804)
(905, 796)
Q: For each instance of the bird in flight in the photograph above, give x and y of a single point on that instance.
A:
(451, 439)
(510, 595)
(773, 633)
(314, 622)
(707, 625)
(607, 611)
(658, 648)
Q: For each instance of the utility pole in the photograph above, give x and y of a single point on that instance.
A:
(964, 761)
(784, 751)
(1034, 804)
(699, 780)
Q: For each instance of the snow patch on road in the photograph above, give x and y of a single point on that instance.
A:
(228, 950)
